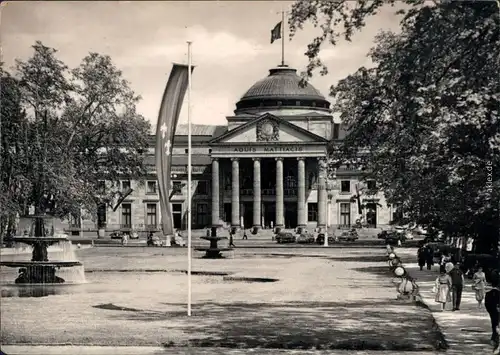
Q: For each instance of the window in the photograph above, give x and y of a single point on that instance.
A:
(345, 214)
(297, 103)
(345, 186)
(177, 187)
(125, 185)
(177, 215)
(202, 187)
(151, 215)
(312, 212)
(75, 221)
(336, 129)
(151, 187)
(126, 215)
(176, 207)
(202, 214)
(371, 185)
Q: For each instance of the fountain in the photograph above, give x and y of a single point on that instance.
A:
(213, 251)
(40, 270)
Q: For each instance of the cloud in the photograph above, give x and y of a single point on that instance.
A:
(209, 48)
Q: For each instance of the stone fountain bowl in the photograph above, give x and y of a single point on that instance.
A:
(33, 240)
(40, 263)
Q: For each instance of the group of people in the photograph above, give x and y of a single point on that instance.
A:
(449, 286)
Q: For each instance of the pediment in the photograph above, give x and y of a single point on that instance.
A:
(268, 128)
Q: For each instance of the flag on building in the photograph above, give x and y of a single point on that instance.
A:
(276, 32)
(165, 131)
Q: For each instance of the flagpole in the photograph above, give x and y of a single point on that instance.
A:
(283, 39)
(189, 180)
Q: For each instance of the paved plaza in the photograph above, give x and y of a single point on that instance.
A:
(338, 299)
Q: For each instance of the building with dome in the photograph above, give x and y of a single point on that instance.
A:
(266, 168)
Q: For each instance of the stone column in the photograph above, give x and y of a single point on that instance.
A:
(215, 196)
(235, 194)
(257, 204)
(301, 195)
(322, 194)
(280, 202)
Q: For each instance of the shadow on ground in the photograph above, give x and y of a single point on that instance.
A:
(369, 325)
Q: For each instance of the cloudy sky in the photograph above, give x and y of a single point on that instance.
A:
(231, 46)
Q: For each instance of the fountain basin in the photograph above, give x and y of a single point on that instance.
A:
(34, 240)
(40, 263)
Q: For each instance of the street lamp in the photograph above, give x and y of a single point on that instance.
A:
(331, 186)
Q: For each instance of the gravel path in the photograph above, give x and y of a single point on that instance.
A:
(328, 299)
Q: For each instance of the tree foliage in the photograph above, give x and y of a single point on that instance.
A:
(426, 115)
(62, 131)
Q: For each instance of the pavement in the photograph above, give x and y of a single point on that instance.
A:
(468, 330)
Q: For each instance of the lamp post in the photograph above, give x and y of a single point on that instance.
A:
(331, 186)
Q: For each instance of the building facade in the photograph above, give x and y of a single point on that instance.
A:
(265, 168)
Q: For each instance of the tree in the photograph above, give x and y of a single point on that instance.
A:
(12, 120)
(80, 127)
(426, 114)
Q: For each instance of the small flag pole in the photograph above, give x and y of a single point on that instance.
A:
(283, 38)
(189, 180)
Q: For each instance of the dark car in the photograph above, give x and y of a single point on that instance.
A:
(321, 239)
(393, 237)
(349, 236)
(305, 238)
(116, 235)
(383, 235)
(285, 237)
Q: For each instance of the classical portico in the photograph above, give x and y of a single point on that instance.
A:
(262, 169)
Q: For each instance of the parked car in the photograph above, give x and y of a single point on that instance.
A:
(133, 235)
(320, 239)
(349, 236)
(116, 235)
(178, 241)
(383, 234)
(285, 237)
(392, 238)
(154, 241)
(404, 230)
(305, 238)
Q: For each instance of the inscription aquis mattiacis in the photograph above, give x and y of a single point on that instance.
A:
(268, 149)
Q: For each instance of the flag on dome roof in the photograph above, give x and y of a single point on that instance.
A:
(276, 32)
(170, 109)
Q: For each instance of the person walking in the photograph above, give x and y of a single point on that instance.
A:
(491, 303)
(479, 285)
(421, 256)
(245, 234)
(442, 289)
(457, 284)
(231, 241)
(429, 257)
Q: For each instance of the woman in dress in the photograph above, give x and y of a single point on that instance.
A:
(479, 285)
(443, 287)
